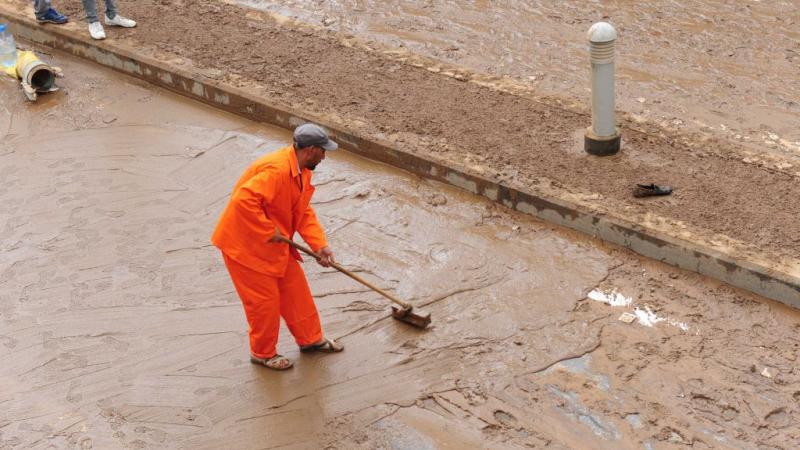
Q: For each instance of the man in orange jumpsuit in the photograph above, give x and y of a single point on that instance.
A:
(270, 201)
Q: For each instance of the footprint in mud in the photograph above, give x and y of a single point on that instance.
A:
(459, 255)
(362, 193)
(8, 341)
(72, 396)
(118, 345)
(759, 330)
(505, 418)
(154, 434)
(114, 418)
(439, 253)
(672, 435)
(138, 444)
(435, 199)
(778, 418)
(705, 403)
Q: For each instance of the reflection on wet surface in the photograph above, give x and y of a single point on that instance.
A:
(119, 326)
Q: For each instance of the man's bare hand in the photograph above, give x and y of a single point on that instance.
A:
(326, 257)
(277, 238)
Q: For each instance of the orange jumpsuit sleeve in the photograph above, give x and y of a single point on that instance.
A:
(311, 231)
(252, 197)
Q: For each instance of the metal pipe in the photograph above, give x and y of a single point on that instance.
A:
(603, 137)
(35, 76)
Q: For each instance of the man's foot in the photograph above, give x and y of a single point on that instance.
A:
(119, 21)
(277, 362)
(325, 346)
(52, 16)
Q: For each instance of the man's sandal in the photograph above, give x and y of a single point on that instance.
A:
(277, 362)
(325, 346)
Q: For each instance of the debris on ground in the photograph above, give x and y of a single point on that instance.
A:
(36, 76)
(627, 317)
(650, 190)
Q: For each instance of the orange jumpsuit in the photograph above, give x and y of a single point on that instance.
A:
(272, 192)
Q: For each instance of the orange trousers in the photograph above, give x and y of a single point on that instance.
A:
(266, 299)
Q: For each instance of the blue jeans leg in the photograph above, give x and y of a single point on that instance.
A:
(40, 7)
(91, 10)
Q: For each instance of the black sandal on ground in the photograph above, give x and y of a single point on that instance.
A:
(324, 346)
(649, 190)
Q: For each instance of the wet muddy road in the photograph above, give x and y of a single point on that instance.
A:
(729, 193)
(119, 327)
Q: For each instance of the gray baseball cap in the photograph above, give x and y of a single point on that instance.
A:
(309, 134)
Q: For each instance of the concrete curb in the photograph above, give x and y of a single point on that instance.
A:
(757, 277)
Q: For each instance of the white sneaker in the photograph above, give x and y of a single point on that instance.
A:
(96, 31)
(119, 21)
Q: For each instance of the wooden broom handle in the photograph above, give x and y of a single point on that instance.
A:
(366, 283)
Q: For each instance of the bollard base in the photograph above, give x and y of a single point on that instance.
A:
(601, 145)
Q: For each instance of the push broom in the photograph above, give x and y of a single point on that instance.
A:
(403, 311)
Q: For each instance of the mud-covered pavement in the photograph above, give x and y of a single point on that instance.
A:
(734, 194)
(120, 329)
(687, 64)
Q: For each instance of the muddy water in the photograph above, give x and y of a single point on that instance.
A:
(119, 326)
(725, 67)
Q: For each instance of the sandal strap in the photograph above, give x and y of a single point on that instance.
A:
(276, 362)
(327, 345)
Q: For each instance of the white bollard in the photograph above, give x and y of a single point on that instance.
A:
(603, 137)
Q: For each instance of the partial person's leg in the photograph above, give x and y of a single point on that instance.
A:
(261, 300)
(111, 9)
(96, 30)
(90, 6)
(45, 13)
(40, 7)
(297, 306)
